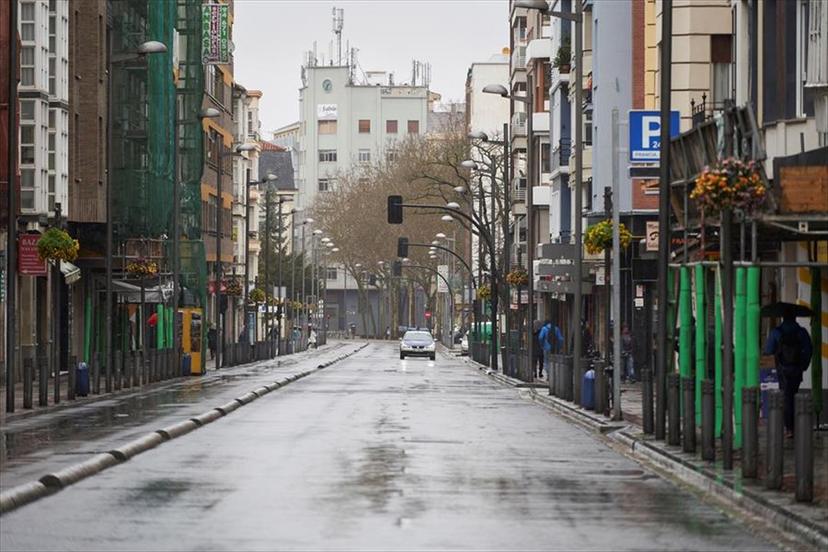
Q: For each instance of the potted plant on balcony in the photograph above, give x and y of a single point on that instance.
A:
(517, 277)
(563, 59)
(731, 184)
(599, 237)
(57, 245)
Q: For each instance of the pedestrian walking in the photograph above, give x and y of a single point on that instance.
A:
(211, 341)
(388, 332)
(312, 338)
(790, 344)
(627, 363)
(537, 348)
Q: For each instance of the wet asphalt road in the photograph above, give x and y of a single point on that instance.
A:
(378, 453)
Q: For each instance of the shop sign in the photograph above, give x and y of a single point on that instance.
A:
(29, 262)
(652, 236)
(326, 112)
(215, 34)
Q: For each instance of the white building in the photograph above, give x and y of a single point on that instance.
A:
(44, 106)
(246, 126)
(345, 122)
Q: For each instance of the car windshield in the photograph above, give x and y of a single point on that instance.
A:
(417, 336)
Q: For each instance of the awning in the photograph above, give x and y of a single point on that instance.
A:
(130, 293)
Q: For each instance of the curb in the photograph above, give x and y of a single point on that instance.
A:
(700, 479)
(51, 483)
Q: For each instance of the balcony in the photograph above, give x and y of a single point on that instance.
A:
(560, 155)
(518, 124)
(540, 122)
(539, 48)
(519, 58)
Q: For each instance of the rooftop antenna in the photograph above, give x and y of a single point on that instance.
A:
(338, 20)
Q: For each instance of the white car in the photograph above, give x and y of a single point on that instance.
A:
(418, 343)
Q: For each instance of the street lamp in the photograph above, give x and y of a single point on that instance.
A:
(146, 48)
(269, 178)
(528, 101)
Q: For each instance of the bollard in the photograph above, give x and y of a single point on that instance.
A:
(117, 365)
(70, 378)
(28, 383)
(136, 372)
(600, 388)
(804, 447)
(776, 439)
(689, 426)
(566, 378)
(43, 380)
(673, 410)
(750, 432)
(708, 421)
(647, 401)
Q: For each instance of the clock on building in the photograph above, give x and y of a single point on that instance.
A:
(327, 85)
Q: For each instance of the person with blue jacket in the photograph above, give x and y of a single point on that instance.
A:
(791, 346)
(551, 341)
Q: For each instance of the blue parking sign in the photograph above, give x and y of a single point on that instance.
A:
(645, 134)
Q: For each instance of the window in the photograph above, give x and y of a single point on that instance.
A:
(27, 178)
(327, 127)
(250, 122)
(51, 151)
(26, 110)
(330, 274)
(213, 145)
(27, 18)
(327, 156)
(325, 184)
(546, 166)
(391, 127)
(364, 126)
(413, 127)
(391, 156)
(588, 126)
(720, 58)
(52, 75)
(27, 61)
(27, 147)
(364, 156)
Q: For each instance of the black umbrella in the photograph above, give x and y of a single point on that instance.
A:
(783, 309)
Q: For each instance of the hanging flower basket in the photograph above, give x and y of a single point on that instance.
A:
(731, 184)
(599, 237)
(517, 277)
(257, 295)
(233, 287)
(57, 245)
(142, 268)
(296, 305)
(274, 301)
(484, 292)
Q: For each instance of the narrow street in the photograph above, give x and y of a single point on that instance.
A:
(371, 453)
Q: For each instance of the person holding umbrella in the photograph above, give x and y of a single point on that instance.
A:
(790, 344)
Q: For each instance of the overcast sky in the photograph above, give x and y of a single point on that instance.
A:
(272, 35)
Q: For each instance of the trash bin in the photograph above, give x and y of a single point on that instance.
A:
(186, 364)
(82, 380)
(588, 390)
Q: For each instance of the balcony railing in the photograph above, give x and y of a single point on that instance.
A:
(519, 124)
(704, 111)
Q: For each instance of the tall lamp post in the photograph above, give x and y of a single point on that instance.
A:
(143, 50)
(528, 101)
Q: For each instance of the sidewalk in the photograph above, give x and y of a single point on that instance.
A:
(808, 521)
(20, 412)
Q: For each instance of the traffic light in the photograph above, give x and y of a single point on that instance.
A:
(397, 268)
(395, 209)
(402, 248)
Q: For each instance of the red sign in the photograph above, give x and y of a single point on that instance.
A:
(428, 314)
(29, 262)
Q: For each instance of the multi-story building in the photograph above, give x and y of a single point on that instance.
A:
(288, 138)
(346, 121)
(246, 198)
(43, 95)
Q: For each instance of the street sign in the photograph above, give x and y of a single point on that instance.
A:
(427, 314)
(442, 270)
(652, 235)
(645, 134)
(215, 34)
(29, 262)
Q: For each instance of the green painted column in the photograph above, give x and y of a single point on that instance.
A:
(717, 380)
(752, 332)
(701, 337)
(159, 327)
(739, 323)
(686, 323)
(671, 321)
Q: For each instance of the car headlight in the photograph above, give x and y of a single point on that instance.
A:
(431, 347)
